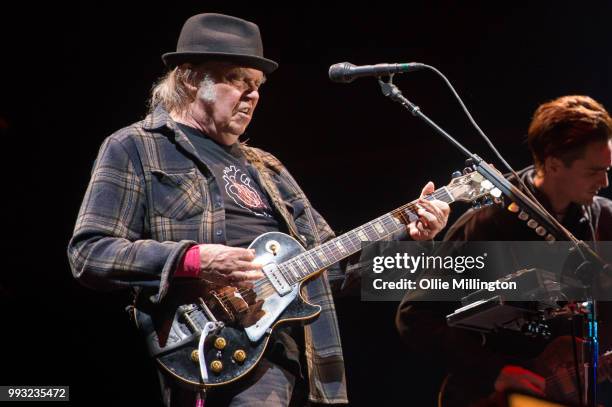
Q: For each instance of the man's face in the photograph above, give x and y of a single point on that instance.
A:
(583, 179)
(229, 99)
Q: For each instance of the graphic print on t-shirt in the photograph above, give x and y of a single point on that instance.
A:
(238, 187)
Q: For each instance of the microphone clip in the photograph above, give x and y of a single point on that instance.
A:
(392, 92)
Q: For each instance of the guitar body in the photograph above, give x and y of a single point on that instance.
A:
(172, 338)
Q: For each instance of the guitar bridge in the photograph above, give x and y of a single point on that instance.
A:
(220, 308)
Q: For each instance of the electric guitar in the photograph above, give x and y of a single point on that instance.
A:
(206, 336)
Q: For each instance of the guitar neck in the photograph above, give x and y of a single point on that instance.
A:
(311, 262)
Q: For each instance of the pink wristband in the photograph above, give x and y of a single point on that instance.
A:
(189, 267)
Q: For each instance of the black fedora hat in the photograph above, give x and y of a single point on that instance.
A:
(219, 37)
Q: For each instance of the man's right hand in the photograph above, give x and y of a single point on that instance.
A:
(228, 265)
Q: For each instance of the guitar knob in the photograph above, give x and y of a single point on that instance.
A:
(195, 356)
(550, 238)
(272, 247)
(456, 174)
(216, 366)
(240, 356)
(467, 170)
(523, 215)
(532, 224)
(220, 343)
(540, 231)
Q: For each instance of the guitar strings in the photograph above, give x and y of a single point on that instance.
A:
(263, 287)
(569, 372)
(295, 262)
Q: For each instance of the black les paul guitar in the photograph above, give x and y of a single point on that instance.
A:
(209, 336)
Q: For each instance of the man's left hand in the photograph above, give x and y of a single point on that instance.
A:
(433, 216)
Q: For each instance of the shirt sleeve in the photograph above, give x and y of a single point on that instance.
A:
(109, 249)
(189, 266)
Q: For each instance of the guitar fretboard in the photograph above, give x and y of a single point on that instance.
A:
(306, 264)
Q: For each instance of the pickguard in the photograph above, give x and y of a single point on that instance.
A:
(273, 306)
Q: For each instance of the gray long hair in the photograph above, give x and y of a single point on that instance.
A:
(173, 93)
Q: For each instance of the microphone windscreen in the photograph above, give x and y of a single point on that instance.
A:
(340, 72)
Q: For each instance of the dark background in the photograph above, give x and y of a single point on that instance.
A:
(73, 75)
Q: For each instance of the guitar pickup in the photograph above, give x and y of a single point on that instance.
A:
(280, 284)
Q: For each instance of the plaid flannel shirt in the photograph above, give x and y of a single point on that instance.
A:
(151, 197)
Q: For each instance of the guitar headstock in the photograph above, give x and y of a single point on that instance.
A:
(473, 187)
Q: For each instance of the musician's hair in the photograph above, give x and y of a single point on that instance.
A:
(563, 127)
(172, 91)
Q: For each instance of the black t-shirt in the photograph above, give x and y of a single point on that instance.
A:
(248, 212)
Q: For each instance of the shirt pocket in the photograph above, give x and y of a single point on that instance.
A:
(176, 195)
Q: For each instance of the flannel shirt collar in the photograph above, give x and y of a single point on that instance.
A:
(160, 120)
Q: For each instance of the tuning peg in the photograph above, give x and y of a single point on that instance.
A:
(532, 223)
(456, 174)
(523, 215)
(467, 170)
(540, 231)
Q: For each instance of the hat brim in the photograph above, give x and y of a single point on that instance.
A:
(172, 59)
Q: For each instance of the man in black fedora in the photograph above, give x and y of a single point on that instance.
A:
(176, 197)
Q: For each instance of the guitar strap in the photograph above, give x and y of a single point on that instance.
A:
(254, 157)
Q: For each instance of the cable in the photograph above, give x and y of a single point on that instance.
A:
(576, 363)
(521, 183)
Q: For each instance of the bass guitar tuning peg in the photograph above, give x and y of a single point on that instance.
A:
(456, 174)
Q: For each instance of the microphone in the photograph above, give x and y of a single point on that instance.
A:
(345, 72)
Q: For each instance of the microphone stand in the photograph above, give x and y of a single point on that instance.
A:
(591, 260)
